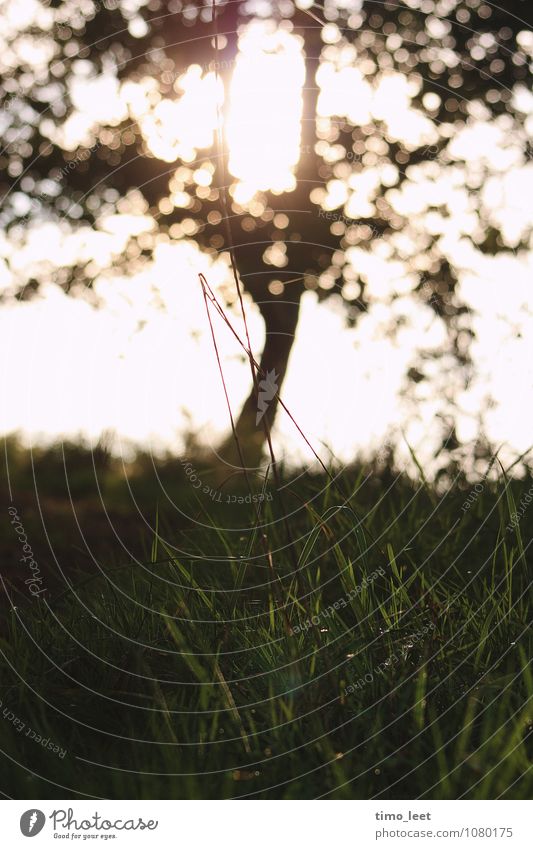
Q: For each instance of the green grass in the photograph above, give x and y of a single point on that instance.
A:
(193, 675)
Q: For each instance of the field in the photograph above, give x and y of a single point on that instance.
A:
(376, 645)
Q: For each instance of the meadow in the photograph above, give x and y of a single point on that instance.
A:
(375, 645)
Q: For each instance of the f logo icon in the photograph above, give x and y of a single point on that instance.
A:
(32, 822)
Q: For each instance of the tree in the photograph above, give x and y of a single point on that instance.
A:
(454, 63)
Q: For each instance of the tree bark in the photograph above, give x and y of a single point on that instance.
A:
(259, 410)
(280, 313)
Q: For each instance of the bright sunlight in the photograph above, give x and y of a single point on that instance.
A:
(264, 124)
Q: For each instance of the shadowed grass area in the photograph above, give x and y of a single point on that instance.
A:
(384, 652)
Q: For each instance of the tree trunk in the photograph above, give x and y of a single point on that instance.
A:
(259, 410)
(280, 313)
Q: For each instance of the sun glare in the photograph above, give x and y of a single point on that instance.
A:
(264, 123)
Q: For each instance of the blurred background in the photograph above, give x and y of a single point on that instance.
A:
(372, 161)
